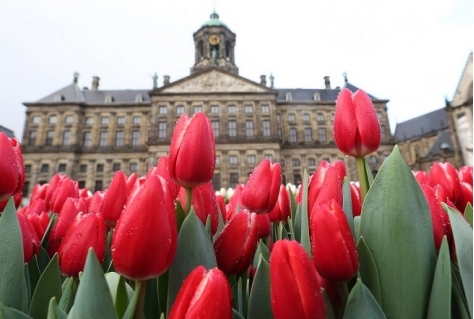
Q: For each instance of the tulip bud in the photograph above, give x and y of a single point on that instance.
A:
(260, 193)
(16, 199)
(221, 204)
(235, 202)
(466, 196)
(264, 228)
(237, 243)
(356, 127)
(355, 199)
(465, 174)
(295, 291)
(87, 230)
(438, 217)
(40, 222)
(204, 294)
(115, 198)
(192, 155)
(422, 177)
(145, 237)
(65, 188)
(30, 239)
(325, 185)
(162, 169)
(12, 169)
(333, 247)
(282, 209)
(446, 175)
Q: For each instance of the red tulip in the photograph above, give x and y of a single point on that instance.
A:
(204, 294)
(12, 169)
(65, 188)
(439, 217)
(325, 185)
(466, 196)
(333, 247)
(260, 193)
(95, 201)
(162, 169)
(422, 177)
(446, 175)
(355, 199)
(39, 191)
(235, 202)
(40, 222)
(221, 204)
(295, 291)
(145, 238)
(192, 155)
(264, 227)
(30, 239)
(356, 127)
(115, 198)
(87, 230)
(204, 203)
(52, 185)
(465, 174)
(237, 243)
(282, 209)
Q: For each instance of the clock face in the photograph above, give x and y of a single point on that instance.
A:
(214, 39)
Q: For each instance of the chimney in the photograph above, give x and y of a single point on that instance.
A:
(327, 83)
(166, 80)
(95, 83)
(263, 80)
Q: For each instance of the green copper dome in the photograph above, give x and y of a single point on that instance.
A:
(214, 21)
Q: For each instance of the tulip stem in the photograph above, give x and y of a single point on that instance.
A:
(188, 198)
(363, 181)
(141, 286)
(343, 292)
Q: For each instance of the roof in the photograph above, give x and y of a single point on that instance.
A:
(7, 131)
(214, 21)
(443, 142)
(421, 125)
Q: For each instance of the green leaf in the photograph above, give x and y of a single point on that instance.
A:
(33, 273)
(236, 314)
(194, 249)
(282, 233)
(260, 306)
(152, 307)
(53, 218)
(362, 304)
(462, 234)
(347, 205)
(43, 259)
(162, 291)
(132, 305)
(69, 288)
(49, 286)
(460, 308)
(468, 213)
(396, 226)
(121, 292)
(107, 263)
(293, 205)
(93, 299)
(297, 224)
(440, 298)
(11, 313)
(357, 225)
(262, 250)
(220, 224)
(179, 214)
(368, 271)
(304, 238)
(12, 274)
(54, 312)
(329, 307)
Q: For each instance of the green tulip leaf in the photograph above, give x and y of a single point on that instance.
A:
(329, 307)
(179, 214)
(11, 313)
(260, 306)
(304, 238)
(220, 224)
(121, 292)
(69, 288)
(152, 307)
(162, 291)
(261, 252)
(194, 249)
(297, 224)
(49, 286)
(293, 205)
(12, 285)
(43, 259)
(282, 233)
(362, 304)
(460, 309)
(357, 226)
(368, 270)
(440, 298)
(33, 273)
(107, 264)
(347, 205)
(132, 305)
(53, 218)
(93, 298)
(236, 314)
(468, 213)
(54, 312)
(396, 226)
(462, 234)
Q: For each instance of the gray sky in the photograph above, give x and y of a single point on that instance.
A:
(411, 52)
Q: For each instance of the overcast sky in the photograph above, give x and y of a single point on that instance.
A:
(411, 52)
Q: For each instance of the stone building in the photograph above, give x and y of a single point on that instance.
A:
(89, 134)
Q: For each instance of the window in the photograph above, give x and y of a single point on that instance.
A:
(180, 109)
(119, 138)
(295, 162)
(233, 159)
(297, 179)
(278, 117)
(218, 160)
(49, 138)
(379, 115)
(279, 133)
(232, 128)
(81, 184)
(311, 162)
(69, 119)
(89, 120)
(215, 128)
(382, 133)
(135, 138)
(27, 168)
(233, 179)
(322, 135)
(82, 168)
(53, 119)
(62, 167)
(282, 163)
(120, 120)
(103, 138)
(162, 130)
(308, 135)
(251, 159)
(269, 156)
(266, 127)
(317, 96)
(104, 120)
(162, 109)
(372, 159)
(216, 181)
(116, 167)
(288, 96)
(320, 118)
(87, 140)
(66, 137)
(32, 138)
(133, 167)
(98, 186)
(291, 117)
(44, 168)
(214, 109)
(36, 119)
(197, 108)
(293, 137)
(99, 168)
(248, 109)
(249, 128)
(265, 108)
(231, 109)
(306, 117)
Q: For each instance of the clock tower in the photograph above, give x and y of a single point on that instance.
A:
(214, 46)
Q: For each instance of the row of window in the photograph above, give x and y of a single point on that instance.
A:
(251, 159)
(69, 119)
(320, 118)
(133, 168)
(215, 109)
(87, 138)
